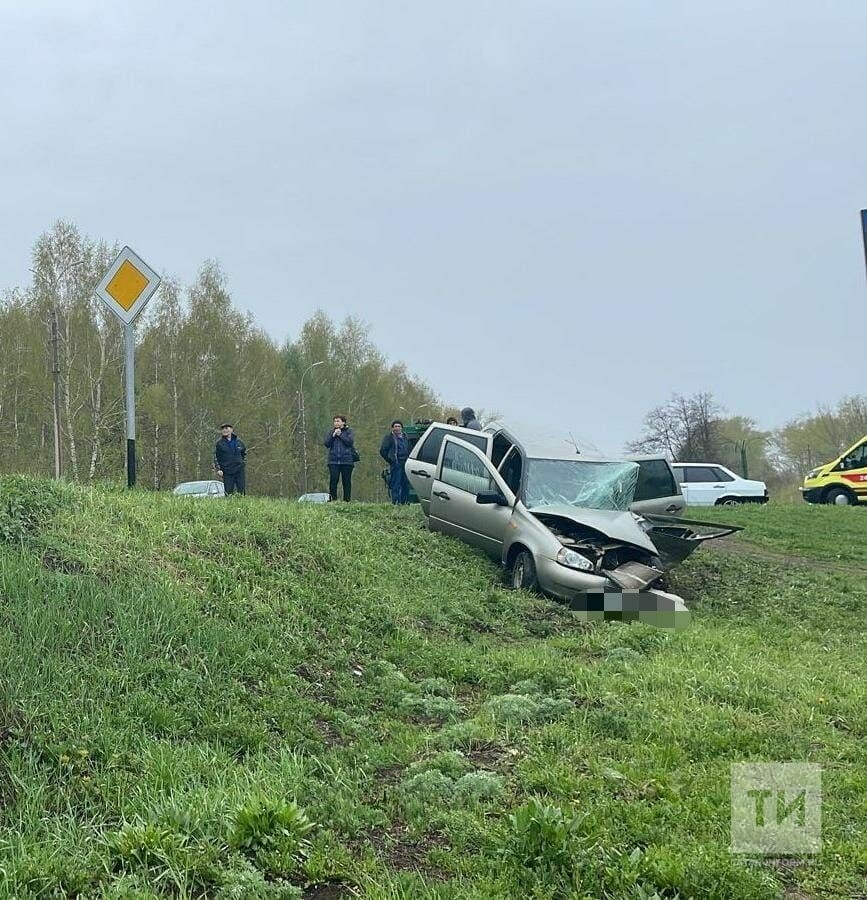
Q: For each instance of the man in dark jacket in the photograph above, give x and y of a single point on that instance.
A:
(469, 419)
(230, 460)
(340, 442)
(395, 451)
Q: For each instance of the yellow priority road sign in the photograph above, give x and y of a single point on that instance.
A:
(127, 285)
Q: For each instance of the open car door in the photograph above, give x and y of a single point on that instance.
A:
(675, 538)
(469, 499)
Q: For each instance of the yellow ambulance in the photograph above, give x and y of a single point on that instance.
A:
(842, 482)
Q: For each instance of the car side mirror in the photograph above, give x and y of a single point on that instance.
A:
(491, 498)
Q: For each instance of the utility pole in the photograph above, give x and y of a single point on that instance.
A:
(304, 423)
(303, 442)
(863, 216)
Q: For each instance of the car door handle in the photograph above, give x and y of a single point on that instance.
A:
(420, 472)
(719, 487)
(673, 508)
(442, 495)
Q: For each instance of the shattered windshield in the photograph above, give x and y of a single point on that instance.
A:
(580, 482)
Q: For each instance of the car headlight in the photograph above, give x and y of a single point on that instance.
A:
(573, 560)
(813, 473)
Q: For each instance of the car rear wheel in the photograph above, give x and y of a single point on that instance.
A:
(839, 497)
(524, 572)
(729, 501)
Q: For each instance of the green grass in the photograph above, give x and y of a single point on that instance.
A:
(828, 534)
(261, 699)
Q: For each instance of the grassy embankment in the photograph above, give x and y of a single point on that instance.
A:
(261, 699)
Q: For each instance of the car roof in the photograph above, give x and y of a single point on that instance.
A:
(555, 451)
(699, 464)
(560, 450)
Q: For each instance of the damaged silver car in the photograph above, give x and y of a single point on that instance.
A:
(562, 524)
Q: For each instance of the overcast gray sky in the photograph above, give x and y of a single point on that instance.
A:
(564, 211)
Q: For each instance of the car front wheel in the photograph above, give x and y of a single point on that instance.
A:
(524, 572)
(839, 497)
(729, 501)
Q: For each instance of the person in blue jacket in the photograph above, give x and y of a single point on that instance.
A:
(230, 460)
(395, 451)
(340, 442)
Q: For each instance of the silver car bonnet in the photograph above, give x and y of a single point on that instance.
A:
(616, 524)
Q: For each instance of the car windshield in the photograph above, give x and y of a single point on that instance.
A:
(580, 482)
(194, 487)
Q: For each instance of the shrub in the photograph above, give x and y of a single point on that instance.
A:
(157, 850)
(480, 787)
(543, 841)
(430, 785)
(245, 882)
(439, 708)
(453, 763)
(434, 687)
(26, 504)
(516, 709)
(274, 834)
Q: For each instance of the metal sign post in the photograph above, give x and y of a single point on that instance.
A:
(129, 335)
(864, 232)
(125, 289)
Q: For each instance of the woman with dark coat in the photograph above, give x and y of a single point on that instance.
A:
(340, 442)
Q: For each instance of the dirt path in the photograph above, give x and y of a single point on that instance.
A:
(739, 547)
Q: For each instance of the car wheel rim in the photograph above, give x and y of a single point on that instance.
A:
(841, 500)
(730, 502)
(518, 576)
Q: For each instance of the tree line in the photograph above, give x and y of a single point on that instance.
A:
(199, 361)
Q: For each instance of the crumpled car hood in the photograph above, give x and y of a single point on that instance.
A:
(615, 524)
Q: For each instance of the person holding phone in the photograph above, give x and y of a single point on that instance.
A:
(342, 456)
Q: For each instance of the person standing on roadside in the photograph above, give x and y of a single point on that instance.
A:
(395, 451)
(230, 460)
(342, 456)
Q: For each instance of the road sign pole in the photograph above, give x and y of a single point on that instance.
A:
(864, 232)
(129, 334)
(125, 289)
